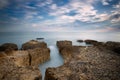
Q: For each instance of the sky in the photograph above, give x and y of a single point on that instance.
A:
(60, 15)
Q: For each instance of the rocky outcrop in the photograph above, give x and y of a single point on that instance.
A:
(20, 58)
(33, 44)
(80, 41)
(39, 55)
(9, 71)
(114, 46)
(62, 44)
(8, 47)
(88, 41)
(87, 63)
(23, 64)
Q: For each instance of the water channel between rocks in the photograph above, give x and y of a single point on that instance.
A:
(55, 60)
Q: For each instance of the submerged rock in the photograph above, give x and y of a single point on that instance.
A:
(33, 44)
(8, 47)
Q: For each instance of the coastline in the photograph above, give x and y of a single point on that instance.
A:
(80, 62)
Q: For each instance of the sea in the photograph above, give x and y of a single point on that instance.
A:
(51, 37)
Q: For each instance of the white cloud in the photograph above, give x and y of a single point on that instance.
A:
(44, 3)
(83, 12)
(3, 3)
(105, 2)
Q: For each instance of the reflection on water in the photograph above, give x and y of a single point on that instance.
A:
(55, 60)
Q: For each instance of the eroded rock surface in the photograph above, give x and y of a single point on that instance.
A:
(39, 55)
(87, 63)
(8, 47)
(23, 64)
(33, 44)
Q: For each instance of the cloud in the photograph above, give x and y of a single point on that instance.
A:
(83, 12)
(105, 2)
(4, 3)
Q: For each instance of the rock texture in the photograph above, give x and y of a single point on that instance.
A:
(87, 63)
(8, 46)
(39, 55)
(23, 64)
(10, 71)
(33, 44)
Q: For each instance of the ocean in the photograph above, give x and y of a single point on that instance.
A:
(50, 38)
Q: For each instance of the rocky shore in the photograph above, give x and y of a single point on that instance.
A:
(22, 64)
(100, 61)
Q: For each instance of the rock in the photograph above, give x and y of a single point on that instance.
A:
(88, 41)
(10, 71)
(114, 46)
(20, 58)
(39, 55)
(62, 44)
(87, 63)
(80, 41)
(8, 47)
(33, 44)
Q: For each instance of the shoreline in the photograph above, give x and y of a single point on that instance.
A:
(73, 55)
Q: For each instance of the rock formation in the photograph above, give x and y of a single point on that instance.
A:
(33, 44)
(23, 64)
(79, 40)
(86, 63)
(8, 46)
(39, 55)
(88, 41)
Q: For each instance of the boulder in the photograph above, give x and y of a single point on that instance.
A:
(8, 47)
(39, 55)
(33, 44)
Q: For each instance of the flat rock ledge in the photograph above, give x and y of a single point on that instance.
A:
(101, 61)
(23, 64)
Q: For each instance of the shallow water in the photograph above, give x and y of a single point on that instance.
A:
(55, 60)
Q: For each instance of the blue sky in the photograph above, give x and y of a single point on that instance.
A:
(60, 15)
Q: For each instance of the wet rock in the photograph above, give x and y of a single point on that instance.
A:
(88, 41)
(8, 47)
(39, 55)
(33, 44)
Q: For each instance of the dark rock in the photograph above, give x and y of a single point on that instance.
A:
(33, 44)
(88, 41)
(8, 47)
(80, 41)
(114, 46)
